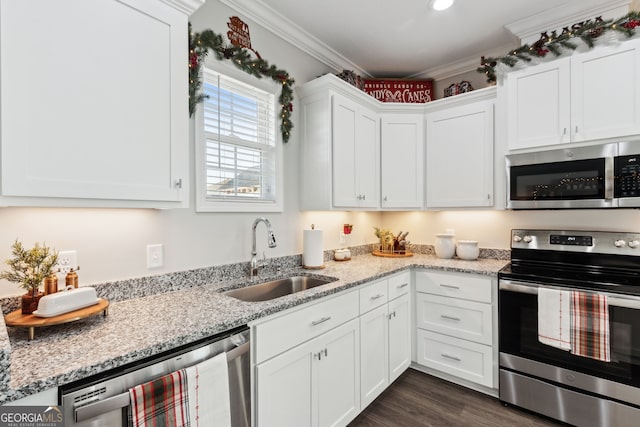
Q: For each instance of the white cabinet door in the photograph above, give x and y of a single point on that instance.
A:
(399, 336)
(402, 159)
(605, 92)
(368, 158)
(337, 376)
(284, 388)
(538, 108)
(344, 123)
(374, 359)
(101, 112)
(356, 154)
(460, 156)
(315, 384)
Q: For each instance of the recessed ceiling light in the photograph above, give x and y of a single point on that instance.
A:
(441, 4)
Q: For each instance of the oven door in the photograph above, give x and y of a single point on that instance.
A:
(520, 350)
(571, 178)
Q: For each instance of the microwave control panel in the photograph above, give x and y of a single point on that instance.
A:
(627, 176)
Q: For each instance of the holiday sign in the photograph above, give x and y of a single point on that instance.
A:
(239, 34)
(399, 90)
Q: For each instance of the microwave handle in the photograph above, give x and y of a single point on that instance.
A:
(608, 178)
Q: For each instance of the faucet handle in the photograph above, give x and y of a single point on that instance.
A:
(272, 239)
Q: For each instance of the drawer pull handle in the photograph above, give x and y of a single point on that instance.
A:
(404, 285)
(448, 356)
(449, 286)
(377, 296)
(445, 316)
(317, 322)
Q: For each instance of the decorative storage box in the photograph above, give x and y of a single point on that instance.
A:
(400, 90)
(458, 88)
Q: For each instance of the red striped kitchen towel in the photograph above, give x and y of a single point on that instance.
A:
(590, 326)
(160, 403)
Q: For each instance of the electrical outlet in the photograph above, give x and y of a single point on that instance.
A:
(155, 256)
(67, 260)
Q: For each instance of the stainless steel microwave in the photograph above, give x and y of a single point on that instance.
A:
(599, 176)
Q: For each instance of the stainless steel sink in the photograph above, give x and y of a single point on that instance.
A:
(278, 288)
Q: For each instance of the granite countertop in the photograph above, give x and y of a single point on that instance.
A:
(141, 327)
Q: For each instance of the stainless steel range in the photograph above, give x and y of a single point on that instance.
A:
(569, 326)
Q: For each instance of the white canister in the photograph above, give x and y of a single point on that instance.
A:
(468, 250)
(445, 245)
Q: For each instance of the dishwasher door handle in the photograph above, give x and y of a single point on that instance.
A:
(91, 410)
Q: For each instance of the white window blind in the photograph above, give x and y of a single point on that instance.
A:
(239, 137)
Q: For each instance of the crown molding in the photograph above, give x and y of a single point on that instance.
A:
(185, 6)
(464, 65)
(259, 12)
(528, 30)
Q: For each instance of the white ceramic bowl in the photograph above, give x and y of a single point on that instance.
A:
(467, 250)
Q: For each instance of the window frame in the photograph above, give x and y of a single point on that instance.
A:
(204, 204)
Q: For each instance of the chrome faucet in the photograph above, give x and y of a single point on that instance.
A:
(271, 239)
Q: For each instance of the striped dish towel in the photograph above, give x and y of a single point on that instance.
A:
(162, 402)
(590, 326)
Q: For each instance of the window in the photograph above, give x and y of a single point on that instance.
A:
(238, 152)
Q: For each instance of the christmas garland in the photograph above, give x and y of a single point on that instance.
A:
(587, 31)
(199, 46)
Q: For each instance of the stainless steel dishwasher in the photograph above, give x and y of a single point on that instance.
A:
(103, 399)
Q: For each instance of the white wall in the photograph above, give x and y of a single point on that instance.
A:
(492, 228)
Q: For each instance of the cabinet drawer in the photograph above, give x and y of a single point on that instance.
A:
(464, 359)
(466, 286)
(373, 295)
(292, 328)
(399, 284)
(458, 318)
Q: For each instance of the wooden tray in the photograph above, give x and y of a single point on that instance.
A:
(31, 321)
(392, 254)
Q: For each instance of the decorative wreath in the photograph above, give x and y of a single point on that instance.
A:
(199, 46)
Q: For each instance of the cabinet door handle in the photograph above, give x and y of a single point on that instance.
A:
(385, 198)
(178, 183)
(449, 286)
(404, 285)
(445, 316)
(392, 314)
(375, 297)
(564, 131)
(448, 356)
(576, 130)
(364, 197)
(317, 322)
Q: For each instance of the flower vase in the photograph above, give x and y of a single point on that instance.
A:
(30, 301)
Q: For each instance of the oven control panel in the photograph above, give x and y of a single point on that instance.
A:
(577, 241)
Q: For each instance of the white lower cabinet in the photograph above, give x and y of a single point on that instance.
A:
(385, 334)
(307, 370)
(313, 384)
(454, 325)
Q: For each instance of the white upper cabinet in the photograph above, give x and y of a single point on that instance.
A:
(356, 154)
(94, 103)
(539, 105)
(605, 92)
(460, 156)
(402, 153)
(588, 96)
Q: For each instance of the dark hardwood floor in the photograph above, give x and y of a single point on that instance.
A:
(418, 399)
